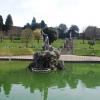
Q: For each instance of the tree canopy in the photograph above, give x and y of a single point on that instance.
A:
(26, 36)
(1, 23)
(9, 22)
(37, 34)
(73, 31)
(27, 25)
(91, 32)
(52, 34)
(42, 24)
(33, 23)
(62, 29)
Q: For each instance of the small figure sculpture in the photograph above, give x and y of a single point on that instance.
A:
(46, 42)
(66, 42)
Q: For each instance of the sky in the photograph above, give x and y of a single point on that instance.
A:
(53, 12)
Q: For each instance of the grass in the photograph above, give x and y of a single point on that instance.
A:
(58, 43)
(18, 48)
(83, 49)
(15, 51)
(18, 44)
(80, 48)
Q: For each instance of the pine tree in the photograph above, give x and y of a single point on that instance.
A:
(33, 24)
(27, 25)
(1, 23)
(43, 25)
(8, 23)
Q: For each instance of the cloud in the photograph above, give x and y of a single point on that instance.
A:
(54, 12)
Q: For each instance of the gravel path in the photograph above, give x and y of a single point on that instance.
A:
(62, 57)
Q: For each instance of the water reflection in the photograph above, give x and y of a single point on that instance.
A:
(89, 76)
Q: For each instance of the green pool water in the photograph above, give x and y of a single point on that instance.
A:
(75, 82)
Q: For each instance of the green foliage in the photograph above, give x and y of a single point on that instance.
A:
(17, 44)
(43, 25)
(62, 29)
(26, 36)
(15, 51)
(27, 25)
(1, 36)
(37, 34)
(33, 23)
(79, 47)
(83, 49)
(90, 32)
(9, 22)
(74, 31)
(1, 23)
(91, 43)
(52, 34)
(58, 43)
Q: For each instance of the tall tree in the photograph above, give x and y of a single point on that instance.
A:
(73, 31)
(33, 23)
(8, 23)
(37, 33)
(26, 36)
(62, 29)
(27, 25)
(91, 32)
(42, 24)
(1, 23)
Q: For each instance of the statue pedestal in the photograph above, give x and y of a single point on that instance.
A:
(45, 61)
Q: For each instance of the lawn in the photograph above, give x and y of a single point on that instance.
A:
(83, 49)
(80, 48)
(18, 48)
(15, 51)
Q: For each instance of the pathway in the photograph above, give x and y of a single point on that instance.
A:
(68, 58)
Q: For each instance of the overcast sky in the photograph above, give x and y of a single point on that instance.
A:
(53, 12)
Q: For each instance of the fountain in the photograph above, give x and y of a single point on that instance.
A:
(47, 59)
